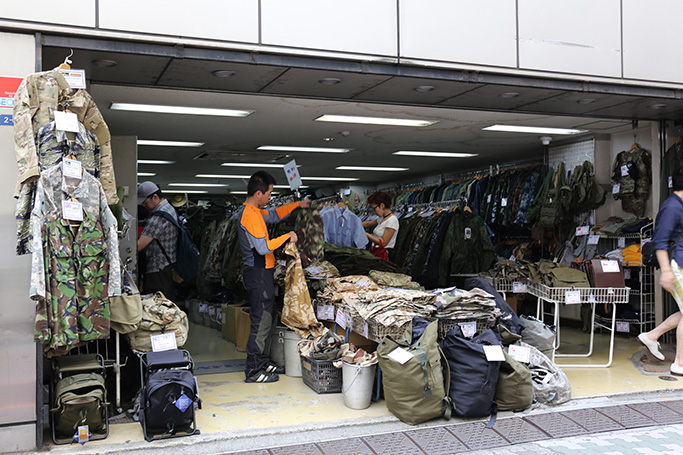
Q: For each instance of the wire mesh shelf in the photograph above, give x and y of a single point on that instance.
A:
(587, 295)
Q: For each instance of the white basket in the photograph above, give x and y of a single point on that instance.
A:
(588, 295)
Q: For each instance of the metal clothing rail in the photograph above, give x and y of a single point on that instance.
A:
(494, 170)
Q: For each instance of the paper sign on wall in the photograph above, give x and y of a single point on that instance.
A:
(8, 88)
(292, 173)
(163, 342)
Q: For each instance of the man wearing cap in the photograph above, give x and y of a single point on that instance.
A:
(259, 263)
(158, 233)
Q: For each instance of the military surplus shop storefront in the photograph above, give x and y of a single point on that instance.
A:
(501, 194)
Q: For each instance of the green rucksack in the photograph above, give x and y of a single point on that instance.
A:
(596, 193)
(550, 212)
(515, 389)
(414, 390)
(535, 207)
(79, 400)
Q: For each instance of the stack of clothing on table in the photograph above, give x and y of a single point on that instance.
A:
(337, 288)
(392, 307)
(454, 303)
(349, 260)
(393, 280)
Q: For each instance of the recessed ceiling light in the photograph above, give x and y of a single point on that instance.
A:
(287, 186)
(331, 179)
(531, 129)
(222, 176)
(329, 81)
(199, 184)
(435, 154)
(105, 63)
(223, 73)
(371, 168)
(155, 162)
(508, 95)
(287, 148)
(424, 88)
(244, 192)
(328, 139)
(252, 165)
(185, 191)
(658, 106)
(179, 110)
(587, 101)
(170, 143)
(374, 120)
(146, 174)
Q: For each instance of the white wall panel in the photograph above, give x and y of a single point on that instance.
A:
(230, 20)
(481, 32)
(651, 38)
(570, 36)
(367, 27)
(62, 12)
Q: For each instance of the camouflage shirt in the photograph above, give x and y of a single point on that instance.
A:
(37, 97)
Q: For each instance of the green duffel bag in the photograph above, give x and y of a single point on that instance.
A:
(414, 390)
(79, 400)
(568, 277)
(515, 389)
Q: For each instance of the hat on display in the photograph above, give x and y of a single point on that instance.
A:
(178, 200)
(145, 189)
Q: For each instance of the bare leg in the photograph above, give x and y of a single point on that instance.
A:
(679, 343)
(670, 323)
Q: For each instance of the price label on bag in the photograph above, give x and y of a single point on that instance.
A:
(609, 266)
(572, 297)
(340, 319)
(164, 342)
(593, 239)
(325, 312)
(623, 326)
(520, 353)
(615, 188)
(83, 434)
(494, 353)
(469, 329)
(519, 288)
(582, 230)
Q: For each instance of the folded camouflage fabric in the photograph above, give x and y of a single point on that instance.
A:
(356, 356)
(393, 280)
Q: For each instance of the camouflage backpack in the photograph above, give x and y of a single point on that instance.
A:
(159, 315)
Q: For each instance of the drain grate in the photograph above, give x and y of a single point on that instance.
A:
(628, 417)
(518, 430)
(676, 405)
(477, 436)
(303, 449)
(356, 446)
(436, 441)
(391, 444)
(592, 420)
(657, 412)
(556, 425)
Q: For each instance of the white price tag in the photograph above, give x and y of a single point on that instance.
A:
(609, 266)
(83, 434)
(504, 202)
(671, 182)
(572, 297)
(627, 274)
(469, 329)
(623, 326)
(203, 307)
(400, 355)
(212, 310)
(488, 199)
(292, 173)
(313, 270)
(621, 242)
(75, 78)
(582, 230)
(66, 121)
(518, 287)
(494, 353)
(513, 259)
(340, 319)
(591, 298)
(349, 321)
(624, 170)
(366, 330)
(325, 312)
(164, 342)
(72, 210)
(593, 239)
(591, 220)
(72, 168)
(520, 353)
(468, 233)
(615, 188)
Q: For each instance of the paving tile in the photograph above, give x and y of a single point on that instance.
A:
(628, 417)
(254, 452)
(356, 446)
(392, 444)
(675, 405)
(657, 412)
(436, 441)
(592, 420)
(302, 449)
(556, 425)
(517, 430)
(477, 436)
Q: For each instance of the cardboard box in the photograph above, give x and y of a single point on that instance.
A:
(357, 339)
(243, 329)
(231, 319)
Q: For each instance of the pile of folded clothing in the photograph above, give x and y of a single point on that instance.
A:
(454, 303)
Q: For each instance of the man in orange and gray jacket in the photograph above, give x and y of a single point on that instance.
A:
(259, 262)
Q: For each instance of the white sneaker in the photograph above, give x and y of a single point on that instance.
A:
(676, 370)
(651, 346)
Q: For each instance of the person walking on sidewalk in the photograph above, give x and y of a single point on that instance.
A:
(668, 230)
(259, 263)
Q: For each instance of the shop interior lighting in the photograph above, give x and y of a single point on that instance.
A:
(287, 186)
(199, 184)
(222, 176)
(288, 148)
(371, 168)
(184, 191)
(170, 143)
(146, 174)
(374, 120)
(531, 129)
(435, 154)
(331, 179)
(155, 162)
(179, 110)
(244, 192)
(254, 165)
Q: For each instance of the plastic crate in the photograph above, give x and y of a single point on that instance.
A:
(321, 376)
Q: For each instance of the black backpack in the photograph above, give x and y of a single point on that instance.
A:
(186, 265)
(168, 401)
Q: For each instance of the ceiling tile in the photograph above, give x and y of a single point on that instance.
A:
(303, 82)
(402, 90)
(489, 97)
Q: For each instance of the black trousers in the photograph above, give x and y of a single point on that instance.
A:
(160, 281)
(260, 285)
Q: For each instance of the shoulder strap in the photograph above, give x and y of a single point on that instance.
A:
(446, 403)
(167, 217)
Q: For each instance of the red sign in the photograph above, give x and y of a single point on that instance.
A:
(8, 88)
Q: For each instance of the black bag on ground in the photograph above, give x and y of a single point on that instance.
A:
(186, 265)
(473, 377)
(168, 401)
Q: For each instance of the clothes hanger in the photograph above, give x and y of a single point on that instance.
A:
(67, 62)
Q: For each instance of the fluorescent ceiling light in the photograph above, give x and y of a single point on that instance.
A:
(244, 192)
(435, 154)
(198, 184)
(331, 179)
(155, 162)
(374, 120)
(254, 165)
(531, 129)
(170, 143)
(287, 148)
(146, 174)
(287, 186)
(179, 110)
(185, 191)
(370, 168)
(222, 176)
